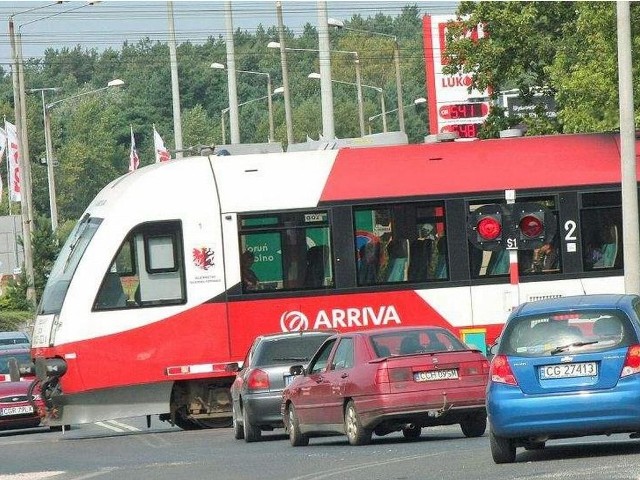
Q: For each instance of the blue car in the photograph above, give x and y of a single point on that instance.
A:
(565, 367)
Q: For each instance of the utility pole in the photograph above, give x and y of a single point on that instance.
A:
(631, 237)
(175, 86)
(25, 187)
(285, 75)
(326, 89)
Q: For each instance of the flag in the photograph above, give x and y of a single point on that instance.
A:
(134, 160)
(13, 157)
(162, 154)
(3, 145)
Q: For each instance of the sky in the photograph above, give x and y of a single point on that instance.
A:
(109, 23)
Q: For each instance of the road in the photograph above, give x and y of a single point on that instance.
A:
(127, 450)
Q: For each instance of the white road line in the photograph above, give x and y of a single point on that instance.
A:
(30, 475)
(109, 427)
(123, 425)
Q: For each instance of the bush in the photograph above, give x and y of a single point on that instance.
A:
(11, 320)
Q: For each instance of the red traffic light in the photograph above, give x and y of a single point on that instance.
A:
(489, 228)
(531, 225)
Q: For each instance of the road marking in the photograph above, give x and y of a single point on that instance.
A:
(30, 475)
(117, 426)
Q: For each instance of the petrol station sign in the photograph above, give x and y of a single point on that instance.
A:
(452, 107)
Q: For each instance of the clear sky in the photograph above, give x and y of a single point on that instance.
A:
(109, 23)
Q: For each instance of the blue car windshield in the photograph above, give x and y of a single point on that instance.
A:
(66, 263)
(567, 332)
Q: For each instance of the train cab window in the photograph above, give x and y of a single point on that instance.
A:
(148, 270)
(601, 231)
(495, 263)
(286, 251)
(401, 243)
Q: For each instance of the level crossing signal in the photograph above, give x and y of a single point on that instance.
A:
(511, 226)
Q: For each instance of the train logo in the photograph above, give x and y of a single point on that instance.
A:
(203, 257)
(294, 321)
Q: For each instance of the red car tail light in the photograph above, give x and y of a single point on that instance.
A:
(258, 380)
(485, 367)
(500, 371)
(400, 375)
(632, 362)
(382, 375)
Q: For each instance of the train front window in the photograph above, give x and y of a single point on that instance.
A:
(66, 263)
(148, 269)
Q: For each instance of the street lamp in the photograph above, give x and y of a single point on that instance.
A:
(358, 83)
(226, 110)
(417, 101)
(396, 60)
(49, 145)
(316, 75)
(221, 66)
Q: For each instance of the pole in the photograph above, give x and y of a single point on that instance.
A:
(285, 76)
(628, 151)
(224, 127)
(384, 112)
(270, 106)
(24, 193)
(360, 100)
(396, 61)
(175, 87)
(53, 207)
(232, 85)
(326, 89)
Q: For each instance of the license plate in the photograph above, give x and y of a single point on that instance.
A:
(569, 370)
(16, 410)
(431, 375)
(287, 380)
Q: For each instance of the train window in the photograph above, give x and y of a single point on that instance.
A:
(286, 251)
(146, 271)
(543, 260)
(601, 231)
(400, 243)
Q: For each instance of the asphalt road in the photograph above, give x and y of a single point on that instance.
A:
(127, 450)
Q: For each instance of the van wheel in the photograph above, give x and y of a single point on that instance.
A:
(502, 449)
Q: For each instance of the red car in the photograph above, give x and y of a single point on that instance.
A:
(16, 408)
(387, 380)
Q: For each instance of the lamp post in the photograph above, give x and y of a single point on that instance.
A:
(226, 110)
(221, 66)
(396, 60)
(49, 145)
(316, 75)
(417, 101)
(358, 83)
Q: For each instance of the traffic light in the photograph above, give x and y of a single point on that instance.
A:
(484, 227)
(514, 226)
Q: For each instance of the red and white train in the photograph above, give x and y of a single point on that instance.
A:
(145, 311)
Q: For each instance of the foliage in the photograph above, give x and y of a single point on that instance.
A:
(14, 296)
(11, 320)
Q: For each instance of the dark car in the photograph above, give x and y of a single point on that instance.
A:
(386, 380)
(565, 367)
(257, 390)
(18, 409)
(14, 339)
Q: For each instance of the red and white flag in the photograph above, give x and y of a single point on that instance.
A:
(134, 160)
(13, 157)
(3, 145)
(162, 154)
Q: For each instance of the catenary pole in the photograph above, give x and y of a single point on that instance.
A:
(175, 85)
(326, 89)
(285, 75)
(234, 123)
(631, 235)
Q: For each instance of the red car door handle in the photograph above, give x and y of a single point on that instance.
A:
(344, 375)
(319, 380)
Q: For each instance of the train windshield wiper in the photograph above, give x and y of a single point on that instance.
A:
(568, 345)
